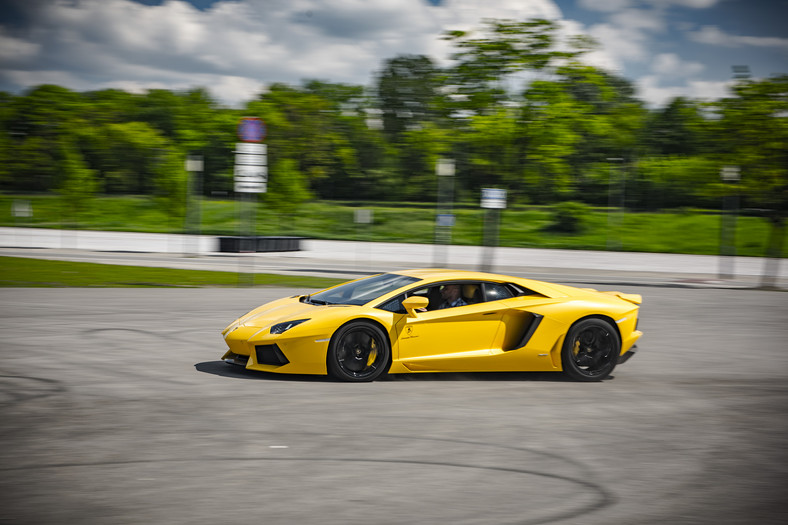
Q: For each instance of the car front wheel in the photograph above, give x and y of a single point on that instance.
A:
(359, 351)
(591, 349)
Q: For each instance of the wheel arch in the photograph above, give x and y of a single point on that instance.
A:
(371, 321)
(598, 316)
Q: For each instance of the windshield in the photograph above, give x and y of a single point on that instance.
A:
(361, 291)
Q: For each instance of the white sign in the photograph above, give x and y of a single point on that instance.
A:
(730, 173)
(445, 219)
(362, 216)
(493, 198)
(445, 167)
(251, 148)
(251, 168)
(22, 209)
(194, 163)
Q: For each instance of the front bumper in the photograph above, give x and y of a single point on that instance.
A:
(279, 353)
(623, 358)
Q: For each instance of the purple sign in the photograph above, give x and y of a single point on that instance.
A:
(251, 129)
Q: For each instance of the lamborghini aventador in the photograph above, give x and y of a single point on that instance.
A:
(434, 320)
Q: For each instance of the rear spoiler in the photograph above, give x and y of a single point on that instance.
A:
(634, 298)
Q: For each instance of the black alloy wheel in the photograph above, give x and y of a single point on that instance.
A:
(591, 350)
(359, 351)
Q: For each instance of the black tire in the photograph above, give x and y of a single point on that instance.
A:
(591, 350)
(359, 351)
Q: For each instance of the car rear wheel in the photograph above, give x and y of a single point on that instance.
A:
(591, 349)
(359, 351)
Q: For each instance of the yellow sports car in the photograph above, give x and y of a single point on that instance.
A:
(438, 321)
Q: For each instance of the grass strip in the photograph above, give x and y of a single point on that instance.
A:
(24, 272)
(669, 231)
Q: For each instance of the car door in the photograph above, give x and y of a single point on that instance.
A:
(450, 339)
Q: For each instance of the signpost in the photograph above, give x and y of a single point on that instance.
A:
(614, 221)
(250, 178)
(730, 175)
(194, 167)
(493, 200)
(444, 218)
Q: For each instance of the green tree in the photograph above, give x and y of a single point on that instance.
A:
(304, 126)
(407, 90)
(753, 129)
(78, 182)
(484, 59)
(676, 129)
(170, 182)
(287, 187)
(35, 123)
(553, 120)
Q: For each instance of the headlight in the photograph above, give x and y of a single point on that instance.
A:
(281, 328)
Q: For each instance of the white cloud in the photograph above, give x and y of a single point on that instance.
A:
(606, 6)
(612, 6)
(468, 13)
(713, 35)
(639, 20)
(236, 45)
(624, 37)
(16, 50)
(656, 95)
(601, 58)
(670, 65)
(709, 89)
(620, 43)
(694, 4)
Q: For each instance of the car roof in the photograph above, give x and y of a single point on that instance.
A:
(439, 274)
(444, 274)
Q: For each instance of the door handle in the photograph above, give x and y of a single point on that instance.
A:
(489, 313)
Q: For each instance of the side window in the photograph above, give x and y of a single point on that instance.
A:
(447, 295)
(520, 291)
(495, 292)
(394, 305)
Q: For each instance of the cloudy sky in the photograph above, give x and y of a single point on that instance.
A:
(235, 47)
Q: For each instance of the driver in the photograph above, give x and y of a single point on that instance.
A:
(451, 296)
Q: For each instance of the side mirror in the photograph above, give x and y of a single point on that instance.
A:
(413, 303)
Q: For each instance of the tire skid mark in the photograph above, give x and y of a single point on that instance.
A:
(171, 335)
(601, 497)
(31, 388)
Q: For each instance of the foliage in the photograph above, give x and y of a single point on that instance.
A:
(683, 231)
(407, 89)
(568, 217)
(79, 182)
(517, 108)
(674, 181)
(753, 128)
(287, 189)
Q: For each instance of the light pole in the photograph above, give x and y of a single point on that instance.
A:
(493, 201)
(730, 176)
(730, 205)
(613, 244)
(444, 219)
(194, 167)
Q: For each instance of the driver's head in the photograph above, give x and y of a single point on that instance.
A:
(450, 292)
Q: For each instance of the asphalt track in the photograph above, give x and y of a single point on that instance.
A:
(116, 409)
